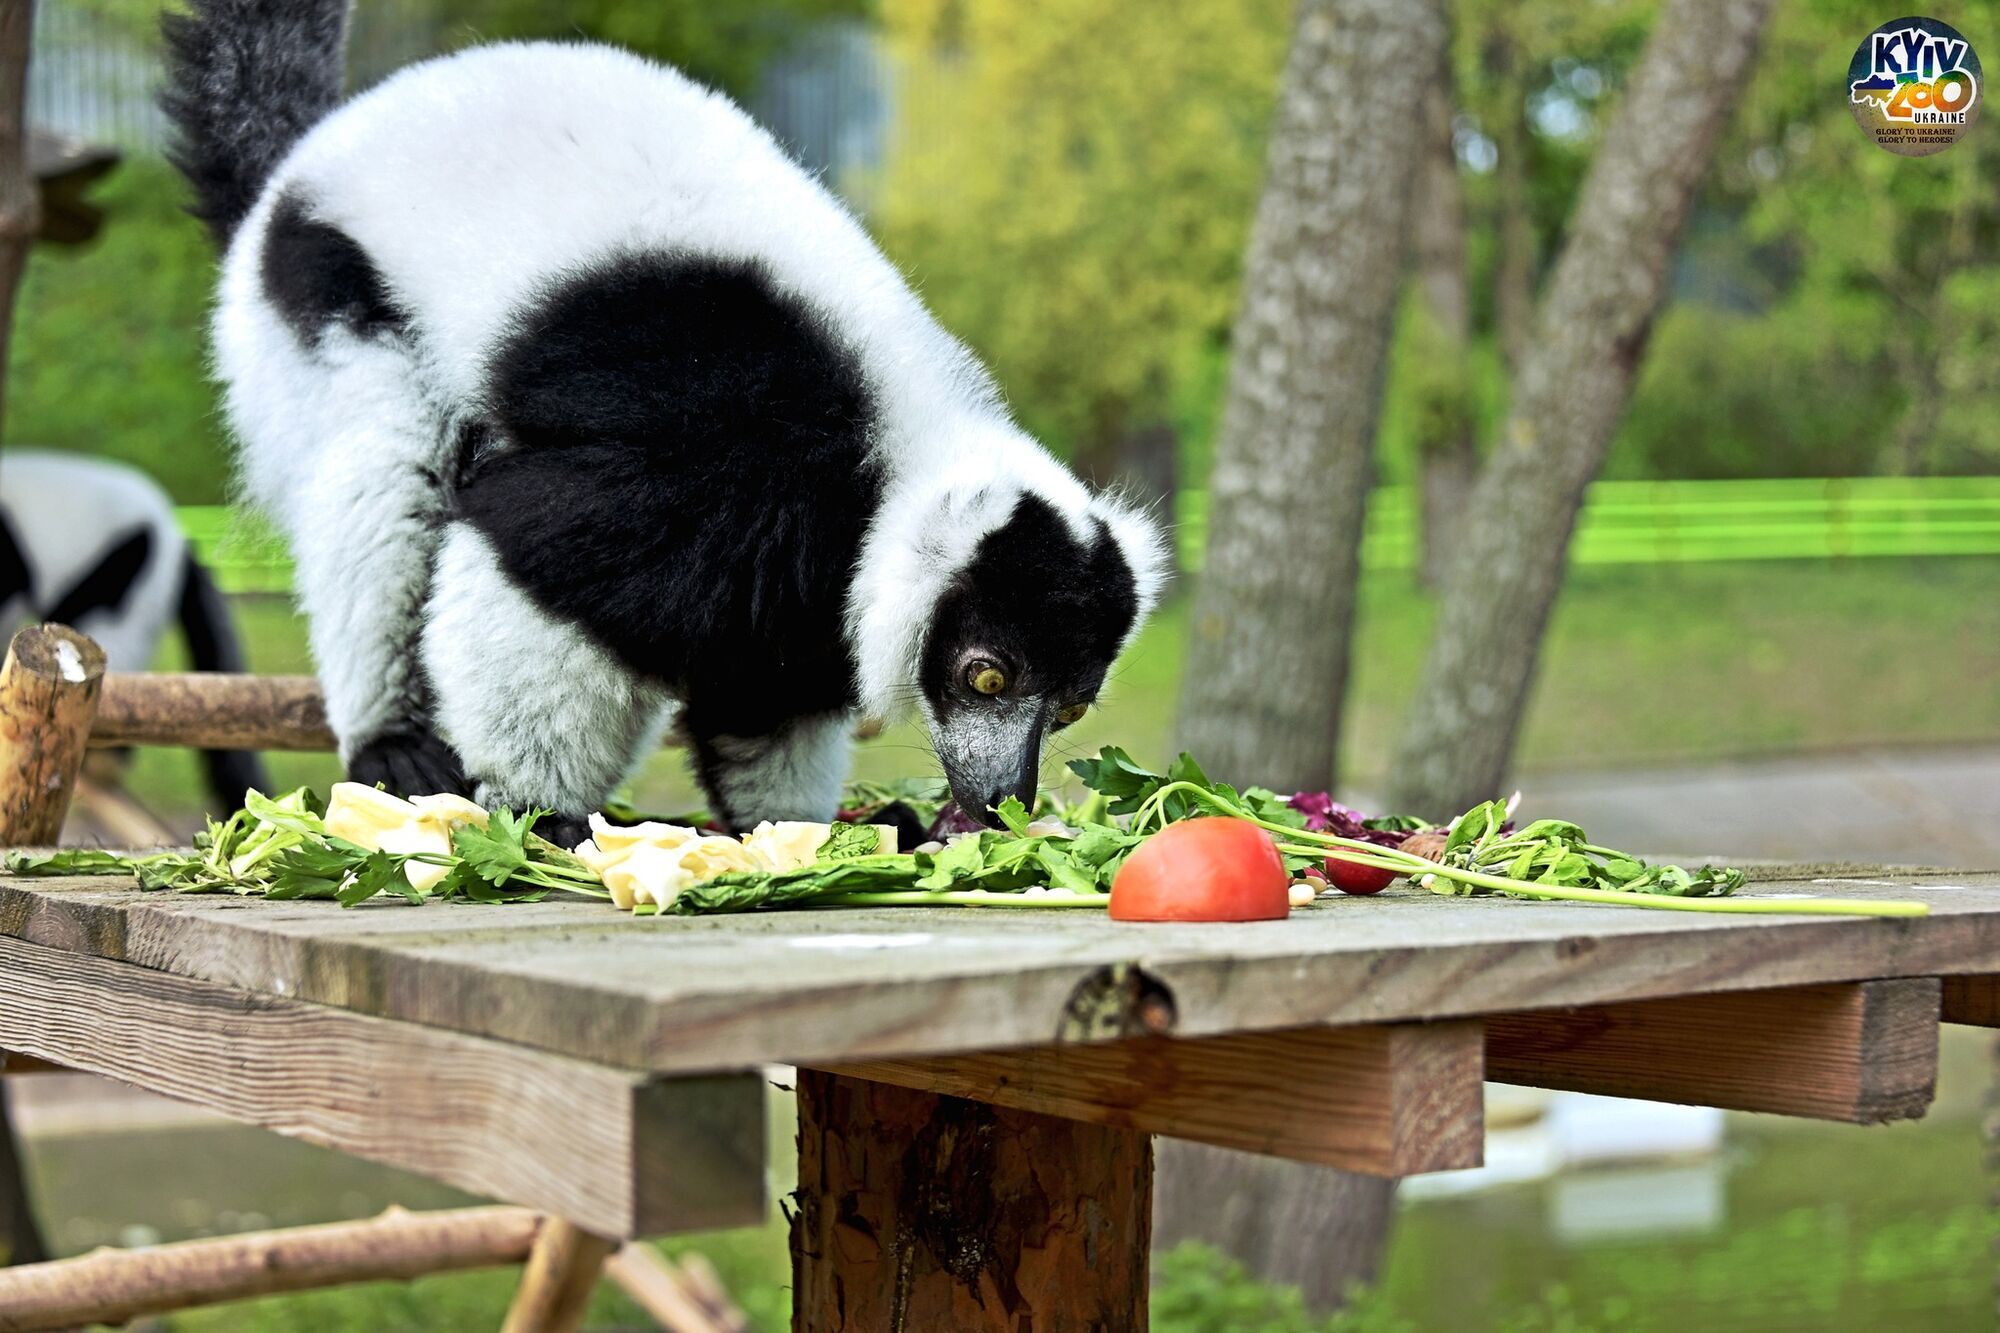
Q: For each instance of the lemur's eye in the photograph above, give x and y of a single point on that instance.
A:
(1074, 713)
(985, 677)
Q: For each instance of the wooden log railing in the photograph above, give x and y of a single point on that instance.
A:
(221, 711)
(212, 712)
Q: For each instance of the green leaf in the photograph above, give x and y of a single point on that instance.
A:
(498, 852)
(1014, 815)
(75, 861)
(845, 841)
(292, 812)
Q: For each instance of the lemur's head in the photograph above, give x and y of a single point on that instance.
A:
(1009, 597)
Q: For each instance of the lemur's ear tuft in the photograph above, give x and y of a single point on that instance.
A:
(1145, 543)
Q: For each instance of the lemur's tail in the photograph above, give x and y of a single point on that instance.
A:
(212, 645)
(245, 80)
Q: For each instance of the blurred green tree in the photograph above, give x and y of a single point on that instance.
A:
(1071, 183)
(724, 45)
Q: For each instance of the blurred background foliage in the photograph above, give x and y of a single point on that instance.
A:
(1070, 182)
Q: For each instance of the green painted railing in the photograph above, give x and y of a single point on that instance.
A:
(1668, 522)
(1623, 523)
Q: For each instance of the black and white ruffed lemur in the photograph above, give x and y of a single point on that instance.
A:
(586, 410)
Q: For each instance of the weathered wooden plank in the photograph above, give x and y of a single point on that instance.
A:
(1393, 1100)
(1862, 1053)
(917, 1211)
(1973, 1001)
(692, 994)
(611, 1150)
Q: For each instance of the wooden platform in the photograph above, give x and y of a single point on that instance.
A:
(565, 1056)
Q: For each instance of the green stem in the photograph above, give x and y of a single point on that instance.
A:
(1395, 861)
(961, 898)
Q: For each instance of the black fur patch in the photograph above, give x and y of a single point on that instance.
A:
(15, 576)
(245, 80)
(683, 472)
(410, 763)
(106, 585)
(1048, 609)
(316, 274)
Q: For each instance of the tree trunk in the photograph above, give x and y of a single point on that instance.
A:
(20, 210)
(1514, 273)
(1590, 337)
(20, 219)
(1268, 652)
(1447, 454)
(1311, 1227)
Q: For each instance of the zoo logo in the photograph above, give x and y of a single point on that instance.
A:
(1913, 86)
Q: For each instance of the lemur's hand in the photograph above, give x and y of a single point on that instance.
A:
(409, 763)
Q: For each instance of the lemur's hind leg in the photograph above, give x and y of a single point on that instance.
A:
(543, 717)
(362, 503)
(795, 774)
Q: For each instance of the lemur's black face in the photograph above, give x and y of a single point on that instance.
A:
(1019, 647)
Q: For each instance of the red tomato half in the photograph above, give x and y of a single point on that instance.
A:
(1355, 878)
(1215, 869)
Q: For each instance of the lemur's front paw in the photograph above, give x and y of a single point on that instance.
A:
(409, 763)
(565, 831)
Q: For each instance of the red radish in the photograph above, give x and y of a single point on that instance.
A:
(1355, 878)
(1214, 869)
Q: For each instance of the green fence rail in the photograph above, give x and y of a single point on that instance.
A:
(1623, 523)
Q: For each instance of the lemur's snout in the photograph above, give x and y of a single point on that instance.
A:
(990, 755)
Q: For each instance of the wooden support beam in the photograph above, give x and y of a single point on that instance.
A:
(1863, 1052)
(618, 1152)
(212, 711)
(48, 694)
(917, 1211)
(1973, 1001)
(1395, 1100)
(681, 1298)
(555, 1286)
(109, 1286)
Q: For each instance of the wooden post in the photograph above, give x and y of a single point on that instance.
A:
(48, 695)
(48, 691)
(555, 1286)
(918, 1211)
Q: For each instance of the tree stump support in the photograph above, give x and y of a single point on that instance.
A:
(48, 695)
(919, 1211)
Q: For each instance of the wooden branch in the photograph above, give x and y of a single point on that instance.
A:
(12, 1065)
(1388, 1101)
(48, 692)
(118, 816)
(110, 1286)
(1973, 1001)
(917, 1211)
(555, 1286)
(680, 1298)
(1861, 1053)
(615, 1151)
(212, 711)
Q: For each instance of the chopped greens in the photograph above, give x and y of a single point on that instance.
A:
(280, 848)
